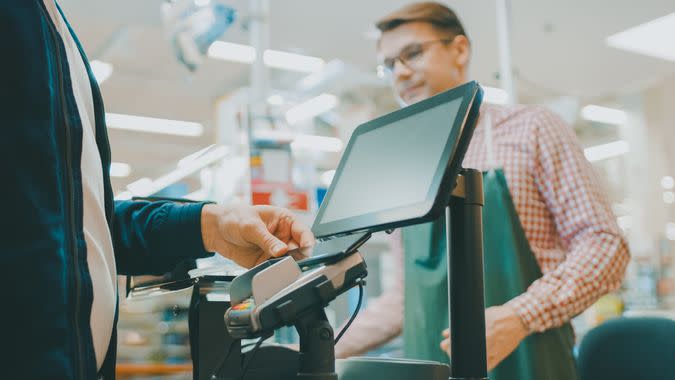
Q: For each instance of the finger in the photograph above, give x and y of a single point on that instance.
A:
(301, 234)
(259, 235)
(445, 345)
(446, 333)
(283, 231)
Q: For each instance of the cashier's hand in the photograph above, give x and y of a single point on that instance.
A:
(249, 235)
(504, 330)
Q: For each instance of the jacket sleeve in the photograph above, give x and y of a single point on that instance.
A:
(152, 237)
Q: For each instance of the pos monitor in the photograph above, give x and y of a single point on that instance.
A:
(400, 169)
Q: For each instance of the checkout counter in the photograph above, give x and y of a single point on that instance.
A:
(410, 162)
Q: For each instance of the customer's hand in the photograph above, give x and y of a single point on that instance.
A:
(504, 330)
(249, 235)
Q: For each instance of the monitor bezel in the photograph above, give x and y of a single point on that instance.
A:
(445, 175)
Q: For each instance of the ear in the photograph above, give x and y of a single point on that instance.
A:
(463, 48)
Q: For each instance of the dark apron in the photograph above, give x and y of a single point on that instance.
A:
(510, 267)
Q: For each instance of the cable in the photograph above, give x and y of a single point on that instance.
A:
(356, 311)
(221, 365)
(254, 351)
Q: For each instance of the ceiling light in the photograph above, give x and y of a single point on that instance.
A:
(604, 115)
(311, 108)
(604, 151)
(141, 187)
(275, 100)
(668, 197)
(119, 169)
(625, 222)
(327, 177)
(229, 51)
(124, 196)
(670, 231)
(318, 143)
(653, 38)
(292, 61)
(101, 70)
(667, 182)
(153, 125)
(145, 186)
(495, 95)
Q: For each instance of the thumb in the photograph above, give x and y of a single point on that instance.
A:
(266, 241)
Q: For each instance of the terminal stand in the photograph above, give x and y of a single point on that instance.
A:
(317, 350)
(466, 298)
(218, 353)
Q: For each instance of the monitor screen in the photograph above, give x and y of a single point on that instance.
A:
(391, 168)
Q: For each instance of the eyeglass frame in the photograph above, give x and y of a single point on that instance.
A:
(387, 69)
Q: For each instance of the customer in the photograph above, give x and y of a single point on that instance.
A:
(62, 240)
(552, 246)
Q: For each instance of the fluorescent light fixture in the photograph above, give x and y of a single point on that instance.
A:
(101, 70)
(319, 143)
(670, 231)
(229, 51)
(668, 197)
(275, 100)
(153, 125)
(311, 108)
(186, 160)
(145, 186)
(124, 196)
(495, 95)
(119, 169)
(604, 151)
(292, 62)
(653, 38)
(202, 3)
(141, 187)
(327, 177)
(667, 182)
(604, 115)
(625, 222)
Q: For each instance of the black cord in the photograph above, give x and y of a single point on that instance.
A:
(221, 365)
(356, 311)
(254, 351)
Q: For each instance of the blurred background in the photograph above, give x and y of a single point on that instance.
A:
(192, 114)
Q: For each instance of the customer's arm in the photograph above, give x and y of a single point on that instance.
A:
(152, 237)
(382, 320)
(596, 252)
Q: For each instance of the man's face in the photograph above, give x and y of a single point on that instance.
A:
(433, 62)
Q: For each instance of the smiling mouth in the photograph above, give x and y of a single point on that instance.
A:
(411, 90)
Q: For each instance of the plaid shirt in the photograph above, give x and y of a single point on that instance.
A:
(567, 221)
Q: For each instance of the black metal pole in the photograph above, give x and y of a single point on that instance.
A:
(317, 350)
(464, 228)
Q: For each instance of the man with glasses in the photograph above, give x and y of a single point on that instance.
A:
(552, 246)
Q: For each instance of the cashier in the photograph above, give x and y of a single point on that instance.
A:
(63, 240)
(552, 245)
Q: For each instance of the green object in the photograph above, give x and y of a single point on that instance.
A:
(510, 267)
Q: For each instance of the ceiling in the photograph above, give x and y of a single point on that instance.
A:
(558, 49)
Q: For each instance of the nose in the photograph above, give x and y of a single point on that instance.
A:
(401, 71)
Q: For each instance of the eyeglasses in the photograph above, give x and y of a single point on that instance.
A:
(410, 57)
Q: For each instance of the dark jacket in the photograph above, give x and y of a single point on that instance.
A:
(47, 290)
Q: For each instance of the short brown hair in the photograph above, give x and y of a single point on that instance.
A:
(438, 15)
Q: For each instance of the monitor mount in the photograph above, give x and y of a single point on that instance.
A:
(273, 295)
